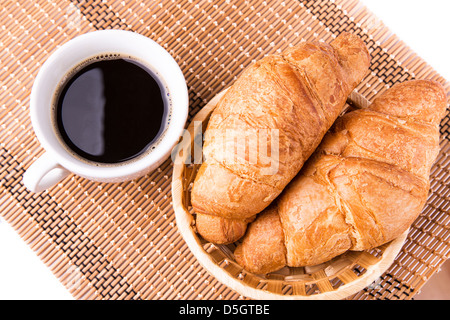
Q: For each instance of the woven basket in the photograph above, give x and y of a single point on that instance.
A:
(335, 279)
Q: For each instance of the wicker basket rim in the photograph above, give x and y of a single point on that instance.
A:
(184, 222)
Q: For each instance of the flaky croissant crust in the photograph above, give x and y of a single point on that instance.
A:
(299, 93)
(364, 185)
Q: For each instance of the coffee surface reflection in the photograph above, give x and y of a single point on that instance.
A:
(111, 109)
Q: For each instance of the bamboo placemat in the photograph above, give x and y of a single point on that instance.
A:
(120, 241)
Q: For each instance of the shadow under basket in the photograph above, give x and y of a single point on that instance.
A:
(338, 278)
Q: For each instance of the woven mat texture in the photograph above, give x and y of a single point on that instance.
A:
(120, 241)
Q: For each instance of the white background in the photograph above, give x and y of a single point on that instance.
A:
(423, 25)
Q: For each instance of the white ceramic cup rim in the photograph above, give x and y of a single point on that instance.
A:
(78, 50)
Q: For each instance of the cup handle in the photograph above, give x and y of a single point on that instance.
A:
(44, 173)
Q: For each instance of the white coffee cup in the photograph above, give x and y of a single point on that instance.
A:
(57, 162)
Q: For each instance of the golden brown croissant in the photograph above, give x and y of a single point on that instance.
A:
(364, 186)
(297, 96)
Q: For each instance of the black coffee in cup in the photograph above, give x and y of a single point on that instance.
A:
(111, 109)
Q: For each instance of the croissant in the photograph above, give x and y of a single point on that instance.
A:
(364, 186)
(293, 97)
